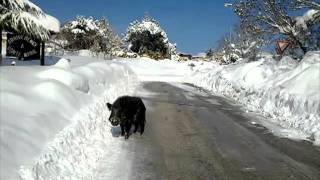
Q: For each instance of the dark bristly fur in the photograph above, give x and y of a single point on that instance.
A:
(128, 110)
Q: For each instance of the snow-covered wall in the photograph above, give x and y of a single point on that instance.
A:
(287, 91)
(52, 118)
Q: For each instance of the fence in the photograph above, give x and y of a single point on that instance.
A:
(84, 53)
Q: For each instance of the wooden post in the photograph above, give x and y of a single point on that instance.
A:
(42, 53)
(0, 45)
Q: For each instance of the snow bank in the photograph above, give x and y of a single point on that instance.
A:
(286, 91)
(53, 119)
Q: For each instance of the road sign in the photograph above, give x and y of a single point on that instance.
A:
(282, 45)
(23, 47)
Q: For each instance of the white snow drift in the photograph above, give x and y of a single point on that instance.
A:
(285, 90)
(53, 119)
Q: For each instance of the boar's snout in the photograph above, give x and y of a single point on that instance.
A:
(114, 121)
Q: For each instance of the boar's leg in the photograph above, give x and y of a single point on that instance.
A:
(122, 129)
(136, 120)
(142, 121)
(127, 129)
(142, 128)
(136, 124)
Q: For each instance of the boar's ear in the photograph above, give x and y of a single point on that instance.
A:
(109, 106)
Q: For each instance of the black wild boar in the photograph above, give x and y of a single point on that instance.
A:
(128, 110)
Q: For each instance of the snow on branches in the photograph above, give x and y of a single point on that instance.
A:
(24, 17)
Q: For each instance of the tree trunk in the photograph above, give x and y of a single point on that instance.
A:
(304, 49)
(296, 40)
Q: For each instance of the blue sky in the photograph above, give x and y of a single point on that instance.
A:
(195, 25)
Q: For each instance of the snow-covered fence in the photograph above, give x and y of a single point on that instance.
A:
(84, 53)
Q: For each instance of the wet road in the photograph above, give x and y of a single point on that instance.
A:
(191, 134)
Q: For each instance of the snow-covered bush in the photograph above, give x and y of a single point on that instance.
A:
(148, 38)
(173, 51)
(125, 54)
(89, 33)
(228, 52)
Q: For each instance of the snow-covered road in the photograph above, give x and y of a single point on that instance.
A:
(191, 134)
(54, 121)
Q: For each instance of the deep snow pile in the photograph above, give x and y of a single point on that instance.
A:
(53, 119)
(285, 90)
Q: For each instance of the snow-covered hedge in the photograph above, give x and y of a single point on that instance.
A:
(285, 90)
(53, 119)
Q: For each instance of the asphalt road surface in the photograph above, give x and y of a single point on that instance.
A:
(191, 134)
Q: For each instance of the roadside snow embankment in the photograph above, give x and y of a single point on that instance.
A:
(54, 118)
(286, 91)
